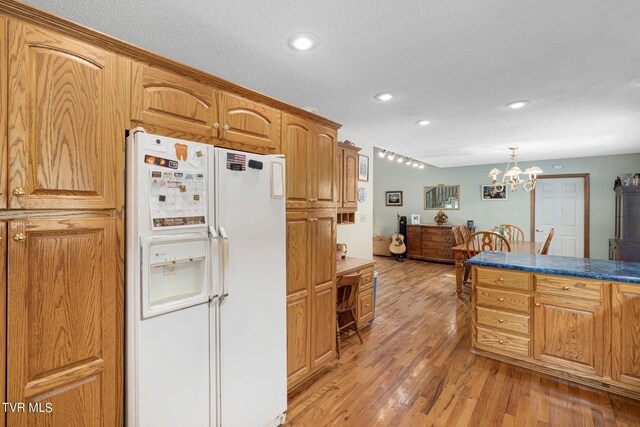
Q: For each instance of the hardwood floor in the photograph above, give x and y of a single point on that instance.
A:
(415, 369)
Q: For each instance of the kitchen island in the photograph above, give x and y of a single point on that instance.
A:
(572, 318)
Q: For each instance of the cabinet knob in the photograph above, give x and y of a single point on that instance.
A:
(501, 342)
(216, 125)
(19, 191)
(226, 127)
(20, 237)
(501, 299)
(500, 279)
(537, 304)
(566, 288)
(309, 199)
(501, 320)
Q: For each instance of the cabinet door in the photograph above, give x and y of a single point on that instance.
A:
(350, 177)
(322, 162)
(625, 339)
(322, 242)
(297, 139)
(298, 298)
(3, 316)
(414, 240)
(364, 310)
(3, 114)
(168, 100)
(339, 177)
(62, 110)
(570, 334)
(62, 321)
(249, 123)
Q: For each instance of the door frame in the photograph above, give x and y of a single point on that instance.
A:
(585, 178)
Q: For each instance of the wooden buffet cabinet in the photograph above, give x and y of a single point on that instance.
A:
(430, 242)
(68, 95)
(578, 329)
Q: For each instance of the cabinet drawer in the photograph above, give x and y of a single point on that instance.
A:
(432, 244)
(367, 276)
(503, 342)
(517, 323)
(570, 287)
(433, 238)
(365, 306)
(504, 279)
(428, 231)
(503, 299)
(437, 253)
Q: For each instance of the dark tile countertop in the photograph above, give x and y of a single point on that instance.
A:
(619, 271)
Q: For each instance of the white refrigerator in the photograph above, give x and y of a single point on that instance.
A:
(205, 290)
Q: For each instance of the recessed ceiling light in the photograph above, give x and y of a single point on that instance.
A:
(423, 122)
(517, 104)
(384, 96)
(302, 41)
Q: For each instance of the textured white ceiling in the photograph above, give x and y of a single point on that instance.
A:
(454, 62)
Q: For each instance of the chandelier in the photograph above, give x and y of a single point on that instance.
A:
(512, 178)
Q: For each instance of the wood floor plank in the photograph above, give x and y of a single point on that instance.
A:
(415, 369)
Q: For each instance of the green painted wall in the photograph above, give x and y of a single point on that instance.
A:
(391, 176)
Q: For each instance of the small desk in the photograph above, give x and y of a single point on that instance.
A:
(364, 297)
(460, 254)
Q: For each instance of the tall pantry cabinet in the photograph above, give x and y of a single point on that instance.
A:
(63, 125)
(310, 151)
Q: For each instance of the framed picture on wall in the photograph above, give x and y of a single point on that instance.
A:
(393, 198)
(363, 168)
(489, 193)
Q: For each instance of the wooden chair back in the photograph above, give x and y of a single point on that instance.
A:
(465, 233)
(346, 292)
(513, 233)
(487, 241)
(457, 234)
(547, 243)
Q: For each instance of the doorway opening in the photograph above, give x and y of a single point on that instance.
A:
(562, 202)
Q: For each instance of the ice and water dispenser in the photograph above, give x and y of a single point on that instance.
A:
(175, 272)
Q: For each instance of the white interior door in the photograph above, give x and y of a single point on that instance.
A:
(560, 205)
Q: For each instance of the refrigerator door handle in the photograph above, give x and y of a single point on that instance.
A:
(225, 262)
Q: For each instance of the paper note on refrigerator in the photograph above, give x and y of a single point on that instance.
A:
(277, 180)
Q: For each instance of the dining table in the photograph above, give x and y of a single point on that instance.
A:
(460, 254)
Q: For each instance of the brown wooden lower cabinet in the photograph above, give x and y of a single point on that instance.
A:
(625, 338)
(311, 292)
(584, 330)
(61, 321)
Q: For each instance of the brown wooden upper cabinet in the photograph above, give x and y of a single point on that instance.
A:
(169, 100)
(61, 320)
(310, 152)
(348, 177)
(249, 123)
(61, 105)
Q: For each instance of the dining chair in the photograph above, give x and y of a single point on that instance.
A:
(513, 233)
(346, 305)
(457, 234)
(487, 241)
(547, 243)
(465, 233)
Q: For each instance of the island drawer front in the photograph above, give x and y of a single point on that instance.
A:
(570, 287)
(503, 343)
(504, 278)
(518, 323)
(503, 299)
